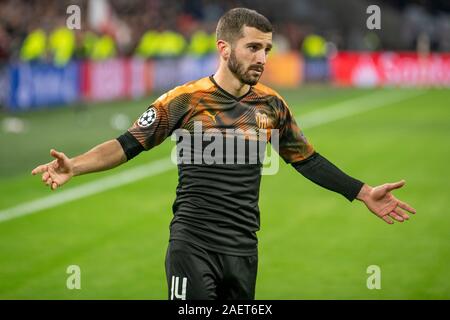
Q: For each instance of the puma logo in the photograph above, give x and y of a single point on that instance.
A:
(209, 114)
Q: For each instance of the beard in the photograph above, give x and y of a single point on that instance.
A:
(241, 73)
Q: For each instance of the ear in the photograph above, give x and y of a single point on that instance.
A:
(224, 49)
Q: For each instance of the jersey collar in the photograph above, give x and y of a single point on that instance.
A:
(227, 93)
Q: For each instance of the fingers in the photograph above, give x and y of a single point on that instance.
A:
(39, 169)
(57, 155)
(401, 213)
(396, 217)
(387, 219)
(44, 167)
(45, 176)
(49, 180)
(51, 183)
(395, 185)
(49, 175)
(406, 206)
(397, 214)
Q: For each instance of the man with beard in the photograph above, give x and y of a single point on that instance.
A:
(212, 252)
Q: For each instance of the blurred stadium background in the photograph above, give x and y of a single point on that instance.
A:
(376, 102)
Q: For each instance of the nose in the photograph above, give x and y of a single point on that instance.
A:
(261, 57)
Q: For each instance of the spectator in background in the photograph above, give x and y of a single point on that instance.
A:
(34, 46)
(194, 21)
(103, 47)
(314, 46)
(443, 32)
(61, 44)
(5, 43)
(202, 43)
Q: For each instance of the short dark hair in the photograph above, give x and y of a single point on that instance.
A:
(230, 25)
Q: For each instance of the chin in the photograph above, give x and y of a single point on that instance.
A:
(254, 82)
(251, 81)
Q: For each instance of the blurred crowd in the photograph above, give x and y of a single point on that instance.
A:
(151, 28)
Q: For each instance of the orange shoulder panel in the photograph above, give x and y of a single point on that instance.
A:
(200, 85)
(268, 91)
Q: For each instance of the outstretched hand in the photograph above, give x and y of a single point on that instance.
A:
(56, 172)
(383, 204)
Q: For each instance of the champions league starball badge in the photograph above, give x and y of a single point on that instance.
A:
(147, 118)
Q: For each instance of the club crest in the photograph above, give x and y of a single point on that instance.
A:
(262, 120)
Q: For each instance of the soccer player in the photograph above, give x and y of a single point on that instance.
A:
(212, 251)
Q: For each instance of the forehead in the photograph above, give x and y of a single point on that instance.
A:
(251, 34)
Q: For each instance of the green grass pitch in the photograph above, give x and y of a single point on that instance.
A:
(314, 244)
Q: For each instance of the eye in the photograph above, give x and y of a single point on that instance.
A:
(253, 48)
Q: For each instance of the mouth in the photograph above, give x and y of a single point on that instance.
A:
(257, 69)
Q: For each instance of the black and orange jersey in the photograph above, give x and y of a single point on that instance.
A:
(216, 204)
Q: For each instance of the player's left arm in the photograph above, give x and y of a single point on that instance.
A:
(378, 200)
(295, 149)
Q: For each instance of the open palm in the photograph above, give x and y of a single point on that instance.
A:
(382, 203)
(56, 172)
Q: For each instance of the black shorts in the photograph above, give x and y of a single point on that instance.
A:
(194, 273)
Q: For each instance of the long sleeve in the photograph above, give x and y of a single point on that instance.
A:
(322, 172)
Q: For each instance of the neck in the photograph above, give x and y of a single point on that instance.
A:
(228, 81)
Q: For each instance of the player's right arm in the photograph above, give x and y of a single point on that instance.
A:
(148, 131)
(105, 156)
